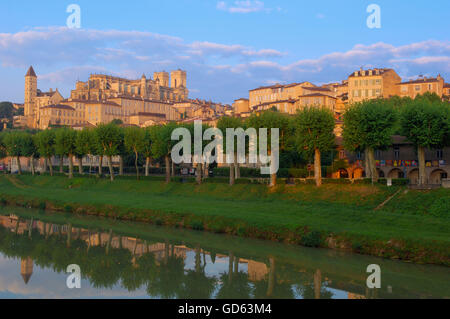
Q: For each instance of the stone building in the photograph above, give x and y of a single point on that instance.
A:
(104, 98)
(399, 161)
(420, 86)
(372, 84)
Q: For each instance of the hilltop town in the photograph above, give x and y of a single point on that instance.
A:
(165, 98)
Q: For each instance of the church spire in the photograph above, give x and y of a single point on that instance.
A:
(31, 72)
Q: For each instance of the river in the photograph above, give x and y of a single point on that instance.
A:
(133, 260)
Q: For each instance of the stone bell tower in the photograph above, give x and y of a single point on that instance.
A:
(30, 93)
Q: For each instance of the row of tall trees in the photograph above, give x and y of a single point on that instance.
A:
(370, 125)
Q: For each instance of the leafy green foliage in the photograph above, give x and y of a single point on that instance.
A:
(45, 142)
(426, 122)
(369, 124)
(314, 129)
(109, 138)
(65, 141)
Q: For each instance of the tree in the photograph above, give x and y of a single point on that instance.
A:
(426, 123)
(162, 144)
(109, 139)
(65, 145)
(84, 144)
(147, 149)
(122, 150)
(223, 124)
(30, 149)
(45, 142)
(3, 152)
(272, 119)
(6, 110)
(369, 126)
(135, 142)
(199, 166)
(15, 146)
(314, 135)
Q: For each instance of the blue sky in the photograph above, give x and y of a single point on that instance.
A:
(227, 47)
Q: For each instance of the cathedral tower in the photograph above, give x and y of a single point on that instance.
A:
(143, 86)
(162, 77)
(30, 92)
(178, 79)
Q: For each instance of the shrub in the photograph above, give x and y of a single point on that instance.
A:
(312, 239)
(196, 225)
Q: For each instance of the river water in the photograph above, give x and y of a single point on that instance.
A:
(134, 260)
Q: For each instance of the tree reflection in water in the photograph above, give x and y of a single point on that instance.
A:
(161, 268)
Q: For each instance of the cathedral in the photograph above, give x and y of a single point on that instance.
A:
(104, 98)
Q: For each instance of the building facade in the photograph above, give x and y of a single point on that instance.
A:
(372, 84)
(104, 98)
(420, 86)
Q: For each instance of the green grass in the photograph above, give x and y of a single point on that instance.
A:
(348, 210)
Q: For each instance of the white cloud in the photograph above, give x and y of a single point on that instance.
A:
(221, 72)
(243, 6)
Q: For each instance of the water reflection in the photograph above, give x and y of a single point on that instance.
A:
(164, 268)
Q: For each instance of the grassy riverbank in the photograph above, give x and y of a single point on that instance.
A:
(412, 226)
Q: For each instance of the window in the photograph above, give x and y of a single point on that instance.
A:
(404, 88)
(397, 152)
(417, 87)
(341, 154)
(440, 154)
(378, 154)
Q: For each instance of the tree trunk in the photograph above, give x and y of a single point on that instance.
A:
(70, 166)
(231, 174)
(367, 164)
(422, 173)
(19, 168)
(32, 164)
(50, 166)
(61, 164)
(69, 235)
(136, 164)
(80, 165)
(273, 177)
(147, 164)
(237, 171)
(111, 171)
(198, 173)
(167, 169)
(120, 165)
(317, 168)
(173, 169)
(317, 283)
(100, 165)
(372, 165)
(45, 164)
(271, 283)
(230, 267)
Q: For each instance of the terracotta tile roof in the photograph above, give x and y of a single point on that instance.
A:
(316, 89)
(317, 94)
(418, 81)
(58, 106)
(149, 114)
(274, 102)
